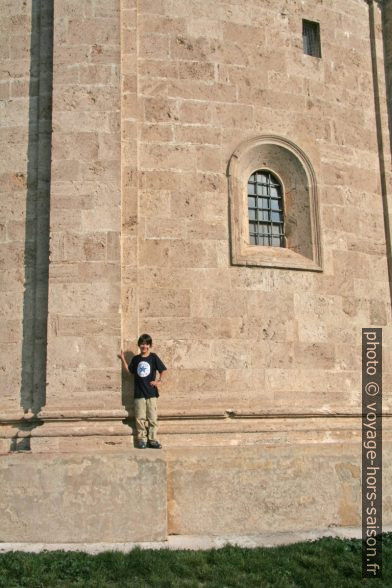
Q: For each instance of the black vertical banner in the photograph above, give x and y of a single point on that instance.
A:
(371, 453)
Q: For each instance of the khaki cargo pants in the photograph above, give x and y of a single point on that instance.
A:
(146, 418)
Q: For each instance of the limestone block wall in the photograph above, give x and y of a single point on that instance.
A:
(147, 102)
(129, 186)
(85, 219)
(14, 139)
(241, 340)
(96, 497)
(120, 119)
(386, 74)
(26, 70)
(387, 26)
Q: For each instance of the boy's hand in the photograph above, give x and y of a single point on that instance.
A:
(155, 383)
(123, 360)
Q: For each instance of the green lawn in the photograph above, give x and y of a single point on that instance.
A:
(326, 562)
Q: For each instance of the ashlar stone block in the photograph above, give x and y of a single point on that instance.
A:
(92, 497)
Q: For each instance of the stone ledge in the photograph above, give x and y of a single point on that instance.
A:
(68, 416)
(81, 435)
(166, 417)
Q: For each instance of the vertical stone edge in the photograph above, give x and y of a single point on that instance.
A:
(387, 37)
(84, 274)
(380, 46)
(129, 187)
(18, 94)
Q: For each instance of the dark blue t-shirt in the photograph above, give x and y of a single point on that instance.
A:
(144, 370)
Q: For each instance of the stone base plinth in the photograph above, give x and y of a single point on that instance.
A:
(144, 495)
(118, 496)
(261, 489)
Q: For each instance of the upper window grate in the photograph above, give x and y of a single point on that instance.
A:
(311, 38)
(265, 210)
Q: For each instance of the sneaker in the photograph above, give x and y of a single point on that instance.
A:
(141, 444)
(154, 444)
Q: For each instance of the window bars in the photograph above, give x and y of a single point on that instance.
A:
(311, 38)
(265, 210)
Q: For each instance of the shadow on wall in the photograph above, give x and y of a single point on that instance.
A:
(20, 441)
(387, 33)
(386, 9)
(35, 302)
(127, 390)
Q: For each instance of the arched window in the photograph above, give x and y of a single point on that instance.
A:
(265, 210)
(273, 203)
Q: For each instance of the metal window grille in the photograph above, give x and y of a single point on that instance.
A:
(265, 210)
(311, 38)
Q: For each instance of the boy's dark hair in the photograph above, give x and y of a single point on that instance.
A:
(144, 339)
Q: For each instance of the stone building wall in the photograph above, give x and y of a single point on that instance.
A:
(118, 222)
(15, 82)
(248, 339)
(84, 277)
(237, 340)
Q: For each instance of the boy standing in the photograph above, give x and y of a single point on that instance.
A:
(144, 367)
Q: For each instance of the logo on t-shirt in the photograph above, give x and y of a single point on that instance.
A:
(143, 369)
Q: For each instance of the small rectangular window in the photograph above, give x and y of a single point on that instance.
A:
(311, 38)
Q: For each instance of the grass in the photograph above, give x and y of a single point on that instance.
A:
(327, 562)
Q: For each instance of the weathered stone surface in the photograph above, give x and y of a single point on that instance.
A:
(215, 491)
(121, 495)
(149, 102)
(116, 496)
(293, 321)
(85, 251)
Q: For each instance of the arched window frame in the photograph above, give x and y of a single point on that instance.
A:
(288, 162)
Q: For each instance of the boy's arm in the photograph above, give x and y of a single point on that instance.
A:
(160, 368)
(156, 382)
(123, 361)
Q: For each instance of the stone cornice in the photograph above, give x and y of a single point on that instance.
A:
(7, 419)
